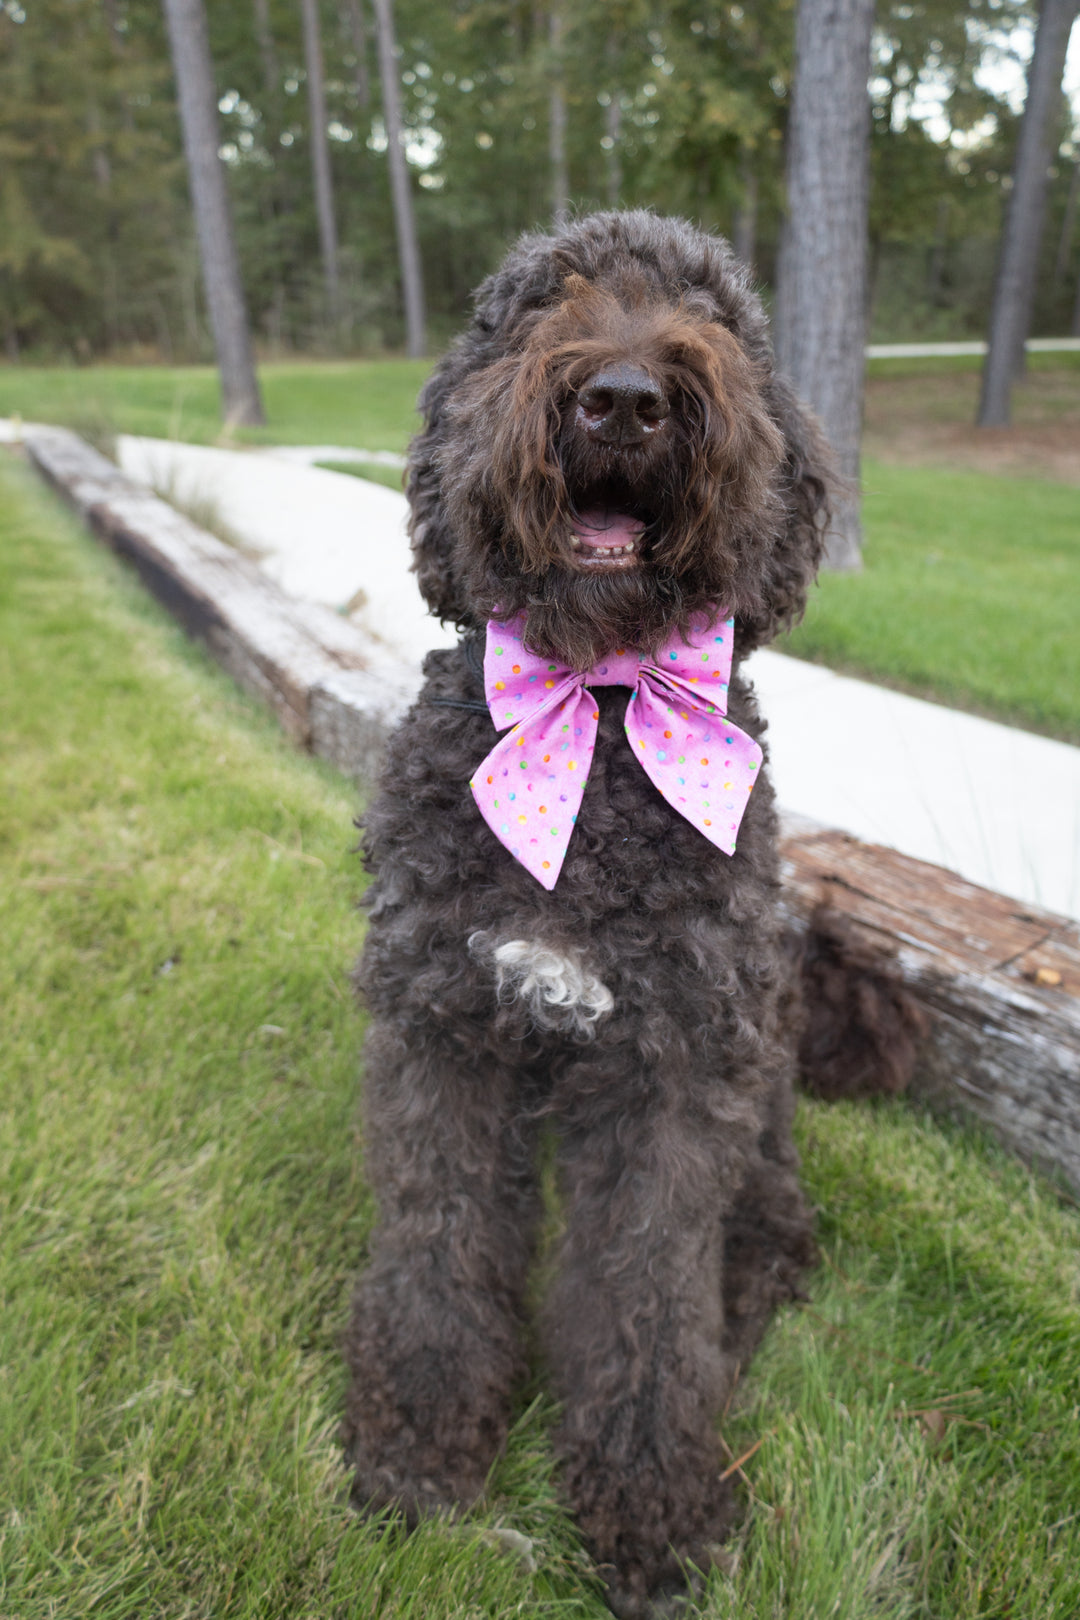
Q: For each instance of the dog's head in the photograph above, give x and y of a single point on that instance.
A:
(609, 448)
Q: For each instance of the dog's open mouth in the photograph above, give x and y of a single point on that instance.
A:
(605, 540)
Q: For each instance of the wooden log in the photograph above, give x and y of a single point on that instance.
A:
(998, 980)
(332, 690)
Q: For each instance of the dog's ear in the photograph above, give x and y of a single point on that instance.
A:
(430, 533)
(525, 282)
(808, 478)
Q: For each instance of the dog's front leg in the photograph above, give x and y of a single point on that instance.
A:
(634, 1333)
(434, 1344)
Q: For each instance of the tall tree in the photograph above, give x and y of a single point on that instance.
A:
(197, 98)
(821, 280)
(320, 157)
(560, 178)
(356, 24)
(1018, 255)
(412, 285)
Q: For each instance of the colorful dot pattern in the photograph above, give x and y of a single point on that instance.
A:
(529, 788)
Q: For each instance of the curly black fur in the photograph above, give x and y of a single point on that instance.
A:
(685, 1224)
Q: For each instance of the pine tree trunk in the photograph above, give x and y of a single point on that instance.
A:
(1068, 224)
(358, 38)
(197, 99)
(822, 271)
(744, 235)
(264, 38)
(404, 217)
(560, 179)
(320, 158)
(1018, 254)
(935, 271)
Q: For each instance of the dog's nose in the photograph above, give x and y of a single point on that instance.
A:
(621, 405)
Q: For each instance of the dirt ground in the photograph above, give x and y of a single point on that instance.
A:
(929, 420)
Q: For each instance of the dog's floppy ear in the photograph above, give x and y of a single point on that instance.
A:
(525, 281)
(430, 533)
(808, 477)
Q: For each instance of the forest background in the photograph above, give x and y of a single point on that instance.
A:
(680, 106)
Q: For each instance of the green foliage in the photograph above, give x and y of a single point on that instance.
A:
(967, 595)
(182, 1208)
(675, 104)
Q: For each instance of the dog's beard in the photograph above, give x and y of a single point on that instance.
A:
(577, 617)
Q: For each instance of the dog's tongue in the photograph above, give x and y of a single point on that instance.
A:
(600, 527)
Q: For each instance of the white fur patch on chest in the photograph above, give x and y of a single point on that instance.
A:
(556, 987)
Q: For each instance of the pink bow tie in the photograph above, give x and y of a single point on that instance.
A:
(529, 788)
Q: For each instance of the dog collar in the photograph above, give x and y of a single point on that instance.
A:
(529, 788)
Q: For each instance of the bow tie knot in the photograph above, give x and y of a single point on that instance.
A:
(529, 788)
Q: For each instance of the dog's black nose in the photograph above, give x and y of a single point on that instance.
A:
(621, 405)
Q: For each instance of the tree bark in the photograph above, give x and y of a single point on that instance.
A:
(320, 158)
(613, 130)
(190, 45)
(935, 272)
(560, 179)
(404, 217)
(358, 38)
(745, 233)
(1018, 254)
(264, 38)
(822, 272)
(1068, 223)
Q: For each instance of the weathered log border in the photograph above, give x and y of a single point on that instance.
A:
(998, 981)
(334, 691)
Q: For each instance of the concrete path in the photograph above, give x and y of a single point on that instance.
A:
(997, 805)
(926, 351)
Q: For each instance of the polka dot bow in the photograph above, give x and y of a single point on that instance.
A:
(529, 788)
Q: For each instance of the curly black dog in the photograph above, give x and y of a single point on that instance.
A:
(609, 461)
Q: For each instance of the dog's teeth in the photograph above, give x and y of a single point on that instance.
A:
(629, 546)
(575, 542)
(603, 551)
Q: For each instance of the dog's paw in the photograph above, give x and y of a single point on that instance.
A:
(378, 1491)
(678, 1598)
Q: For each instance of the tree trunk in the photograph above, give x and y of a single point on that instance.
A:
(560, 179)
(613, 128)
(1018, 254)
(358, 38)
(822, 269)
(320, 158)
(1068, 223)
(745, 233)
(197, 99)
(935, 271)
(264, 38)
(404, 217)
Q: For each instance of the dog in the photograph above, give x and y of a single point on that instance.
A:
(615, 498)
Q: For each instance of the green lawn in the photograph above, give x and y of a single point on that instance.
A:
(182, 1207)
(969, 595)
(364, 403)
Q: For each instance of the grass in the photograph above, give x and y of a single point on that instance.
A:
(968, 595)
(182, 1207)
(376, 472)
(368, 404)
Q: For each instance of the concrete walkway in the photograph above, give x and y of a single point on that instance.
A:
(997, 805)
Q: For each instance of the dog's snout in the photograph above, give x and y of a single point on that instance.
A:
(621, 404)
